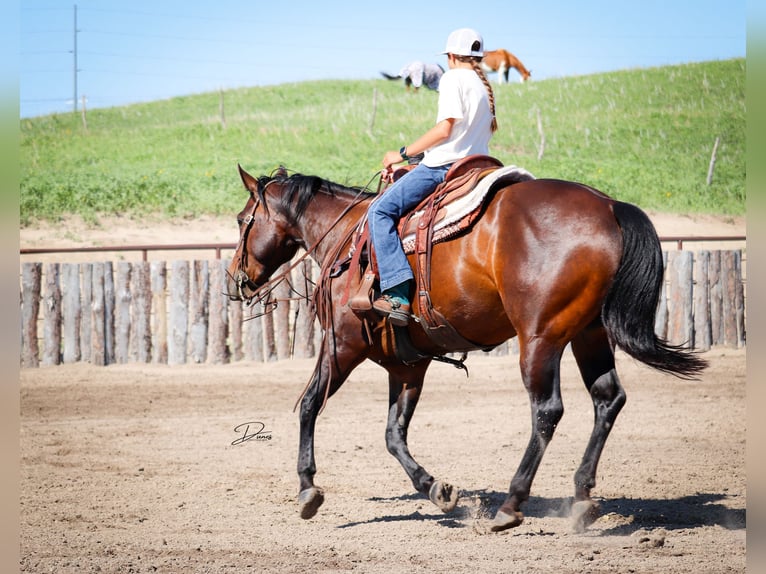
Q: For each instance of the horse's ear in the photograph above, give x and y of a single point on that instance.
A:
(250, 182)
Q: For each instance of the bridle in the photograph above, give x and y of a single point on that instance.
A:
(242, 279)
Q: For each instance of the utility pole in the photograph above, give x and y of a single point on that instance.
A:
(75, 59)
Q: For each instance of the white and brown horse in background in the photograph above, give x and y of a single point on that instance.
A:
(501, 61)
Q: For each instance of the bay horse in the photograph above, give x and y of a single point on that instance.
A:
(550, 262)
(501, 61)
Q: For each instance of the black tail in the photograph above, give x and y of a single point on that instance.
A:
(631, 305)
(390, 76)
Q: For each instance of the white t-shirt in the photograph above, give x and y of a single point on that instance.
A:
(462, 96)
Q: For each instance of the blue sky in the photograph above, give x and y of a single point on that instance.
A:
(137, 51)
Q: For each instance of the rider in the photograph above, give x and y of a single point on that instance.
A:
(465, 122)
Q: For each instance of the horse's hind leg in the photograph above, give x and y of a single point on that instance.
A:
(404, 387)
(540, 367)
(595, 358)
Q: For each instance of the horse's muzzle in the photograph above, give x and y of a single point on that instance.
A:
(241, 287)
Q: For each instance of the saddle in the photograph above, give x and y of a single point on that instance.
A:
(452, 208)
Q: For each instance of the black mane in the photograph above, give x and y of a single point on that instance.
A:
(298, 190)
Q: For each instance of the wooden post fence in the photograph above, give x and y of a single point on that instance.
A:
(161, 313)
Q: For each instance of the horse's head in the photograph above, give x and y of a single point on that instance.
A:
(266, 238)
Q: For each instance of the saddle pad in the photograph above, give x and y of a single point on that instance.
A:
(459, 214)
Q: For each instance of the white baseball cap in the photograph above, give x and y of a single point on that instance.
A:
(465, 42)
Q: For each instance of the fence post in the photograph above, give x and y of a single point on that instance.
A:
(254, 330)
(729, 284)
(159, 275)
(179, 315)
(219, 314)
(98, 350)
(282, 316)
(702, 333)
(31, 277)
(716, 298)
(198, 330)
(739, 301)
(304, 329)
(661, 316)
(141, 303)
(680, 323)
(236, 313)
(109, 298)
(86, 320)
(71, 311)
(52, 316)
(122, 312)
(269, 343)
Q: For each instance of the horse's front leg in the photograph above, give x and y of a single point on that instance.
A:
(310, 497)
(330, 372)
(404, 387)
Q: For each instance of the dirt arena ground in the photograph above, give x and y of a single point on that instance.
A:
(133, 469)
(138, 468)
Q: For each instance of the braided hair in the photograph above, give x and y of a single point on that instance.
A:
(476, 63)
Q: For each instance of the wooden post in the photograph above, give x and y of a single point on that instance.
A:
(680, 324)
(52, 316)
(109, 300)
(86, 321)
(711, 166)
(71, 311)
(141, 304)
(160, 312)
(269, 343)
(729, 291)
(179, 315)
(98, 350)
(236, 314)
(304, 329)
(661, 316)
(198, 330)
(31, 278)
(739, 300)
(219, 314)
(715, 286)
(122, 313)
(702, 332)
(282, 317)
(541, 149)
(254, 333)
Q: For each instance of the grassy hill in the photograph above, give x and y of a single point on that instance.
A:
(644, 136)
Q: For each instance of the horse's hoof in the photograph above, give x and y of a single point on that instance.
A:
(584, 513)
(504, 521)
(443, 495)
(310, 500)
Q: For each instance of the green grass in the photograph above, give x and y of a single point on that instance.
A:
(644, 136)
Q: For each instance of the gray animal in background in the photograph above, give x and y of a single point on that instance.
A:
(418, 73)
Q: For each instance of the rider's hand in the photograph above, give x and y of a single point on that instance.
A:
(391, 158)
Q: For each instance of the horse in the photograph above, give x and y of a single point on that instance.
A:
(551, 262)
(417, 73)
(501, 61)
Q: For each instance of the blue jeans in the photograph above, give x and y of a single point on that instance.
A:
(383, 216)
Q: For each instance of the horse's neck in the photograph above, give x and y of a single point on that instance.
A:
(328, 221)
